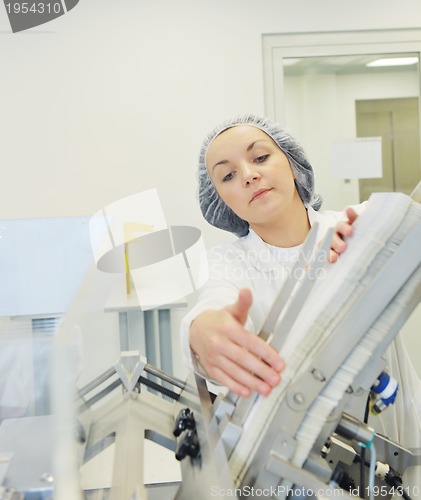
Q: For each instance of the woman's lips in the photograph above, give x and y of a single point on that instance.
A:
(259, 193)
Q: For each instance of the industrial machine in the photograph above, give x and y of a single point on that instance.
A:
(315, 435)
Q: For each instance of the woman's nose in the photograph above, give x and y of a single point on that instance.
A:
(250, 174)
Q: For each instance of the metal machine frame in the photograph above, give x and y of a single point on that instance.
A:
(204, 429)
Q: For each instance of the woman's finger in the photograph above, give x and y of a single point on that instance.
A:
(256, 347)
(240, 378)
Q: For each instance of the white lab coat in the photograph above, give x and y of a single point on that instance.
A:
(250, 263)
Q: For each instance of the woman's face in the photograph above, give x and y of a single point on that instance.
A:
(252, 175)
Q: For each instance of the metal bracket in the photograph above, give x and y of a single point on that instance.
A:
(300, 477)
(129, 368)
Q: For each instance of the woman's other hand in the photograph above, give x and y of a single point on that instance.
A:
(342, 230)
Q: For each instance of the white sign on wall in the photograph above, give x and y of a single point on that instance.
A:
(357, 159)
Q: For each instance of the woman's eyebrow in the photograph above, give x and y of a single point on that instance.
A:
(222, 162)
(249, 148)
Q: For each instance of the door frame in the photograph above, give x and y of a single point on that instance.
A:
(277, 47)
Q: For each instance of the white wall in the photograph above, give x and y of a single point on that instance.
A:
(115, 97)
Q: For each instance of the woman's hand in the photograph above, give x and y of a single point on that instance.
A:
(342, 230)
(230, 354)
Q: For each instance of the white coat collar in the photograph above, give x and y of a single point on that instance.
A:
(258, 252)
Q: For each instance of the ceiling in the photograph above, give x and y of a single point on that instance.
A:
(342, 65)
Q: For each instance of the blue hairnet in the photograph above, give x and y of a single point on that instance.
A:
(215, 210)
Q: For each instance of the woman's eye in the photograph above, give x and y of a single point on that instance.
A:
(228, 177)
(261, 159)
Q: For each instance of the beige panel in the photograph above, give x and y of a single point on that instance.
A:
(377, 124)
(406, 149)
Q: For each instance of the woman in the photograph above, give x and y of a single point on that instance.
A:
(256, 182)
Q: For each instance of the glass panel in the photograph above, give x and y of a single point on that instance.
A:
(73, 416)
